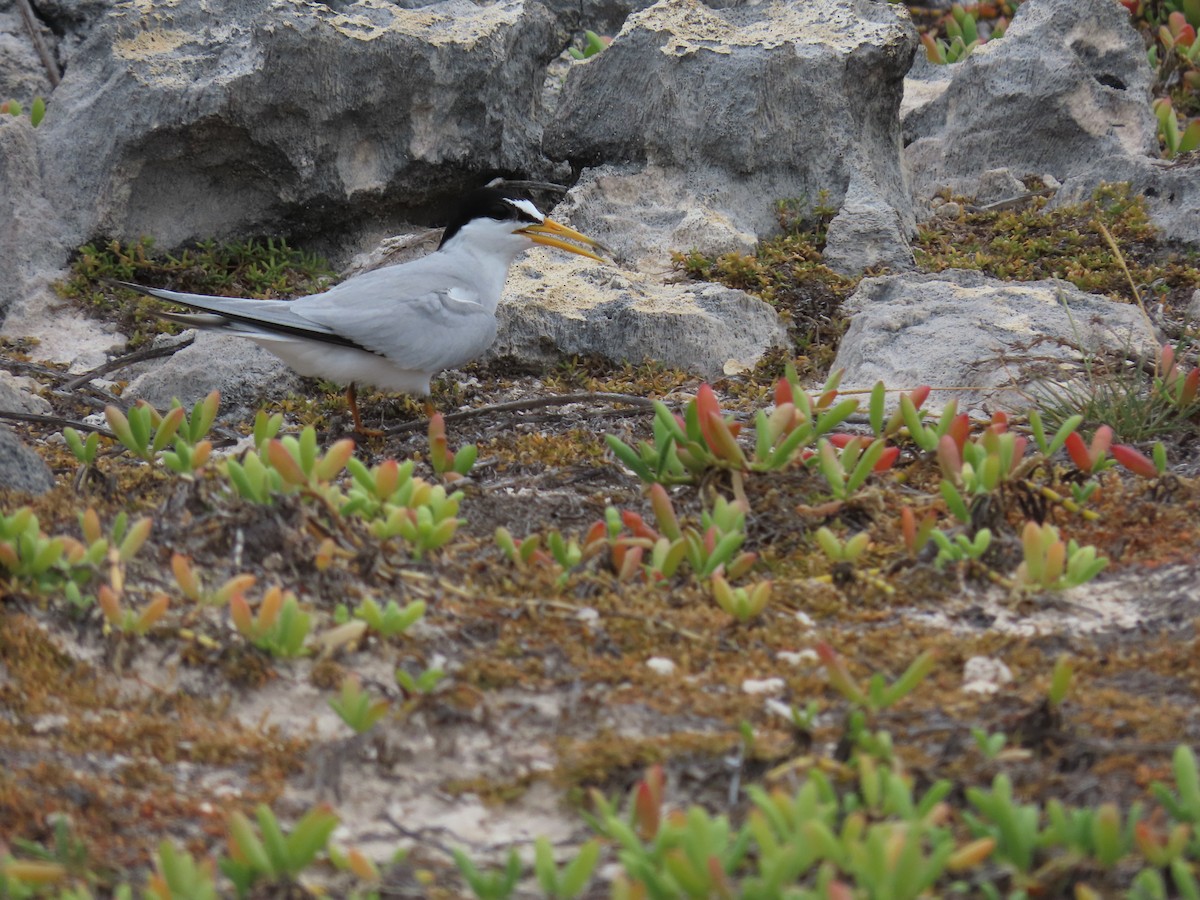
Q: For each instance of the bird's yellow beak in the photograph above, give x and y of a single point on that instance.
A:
(552, 234)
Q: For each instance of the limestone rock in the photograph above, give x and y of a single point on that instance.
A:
(958, 329)
(22, 75)
(558, 307)
(187, 120)
(1171, 190)
(720, 112)
(29, 241)
(21, 469)
(866, 232)
(242, 371)
(18, 395)
(1066, 86)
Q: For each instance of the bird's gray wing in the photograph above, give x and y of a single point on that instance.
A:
(421, 319)
(245, 316)
(420, 323)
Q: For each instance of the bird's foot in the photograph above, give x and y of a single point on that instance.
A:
(359, 427)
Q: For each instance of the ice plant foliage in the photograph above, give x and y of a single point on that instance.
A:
(449, 464)
(976, 467)
(839, 551)
(396, 503)
(1140, 464)
(703, 438)
(743, 603)
(192, 586)
(147, 434)
(847, 470)
(389, 621)
(960, 547)
(267, 854)
(83, 449)
(1053, 564)
(280, 627)
(878, 695)
(356, 707)
(1091, 458)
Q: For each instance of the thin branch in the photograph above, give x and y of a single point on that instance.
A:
(58, 375)
(123, 361)
(1010, 202)
(21, 365)
(35, 35)
(522, 405)
(61, 422)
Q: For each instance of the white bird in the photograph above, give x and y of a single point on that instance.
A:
(397, 326)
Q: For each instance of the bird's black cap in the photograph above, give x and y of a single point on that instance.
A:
(486, 203)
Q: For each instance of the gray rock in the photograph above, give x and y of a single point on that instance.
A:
(1192, 314)
(959, 329)
(62, 333)
(188, 120)
(997, 185)
(642, 213)
(1171, 191)
(32, 252)
(556, 307)
(1067, 86)
(17, 395)
(920, 114)
(242, 371)
(605, 17)
(720, 112)
(866, 232)
(30, 244)
(21, 469)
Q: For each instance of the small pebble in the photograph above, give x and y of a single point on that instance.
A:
(797, 657)
(50, 723)
(779, 708)
(660, 665)
(985, 675)
(763, 686)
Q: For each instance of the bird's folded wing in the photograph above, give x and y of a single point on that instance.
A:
(437, 330)
(434, 330)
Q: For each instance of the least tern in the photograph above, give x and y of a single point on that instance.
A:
(397, 326)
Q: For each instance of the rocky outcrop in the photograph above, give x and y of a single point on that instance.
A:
(1170, 188)
(988, 342)
(703, 117)
(1067, 86)
(188, 121)
(21, 469)
(30, 247)
(561, 307)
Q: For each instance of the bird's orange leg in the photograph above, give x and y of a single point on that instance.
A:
(352, 402)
